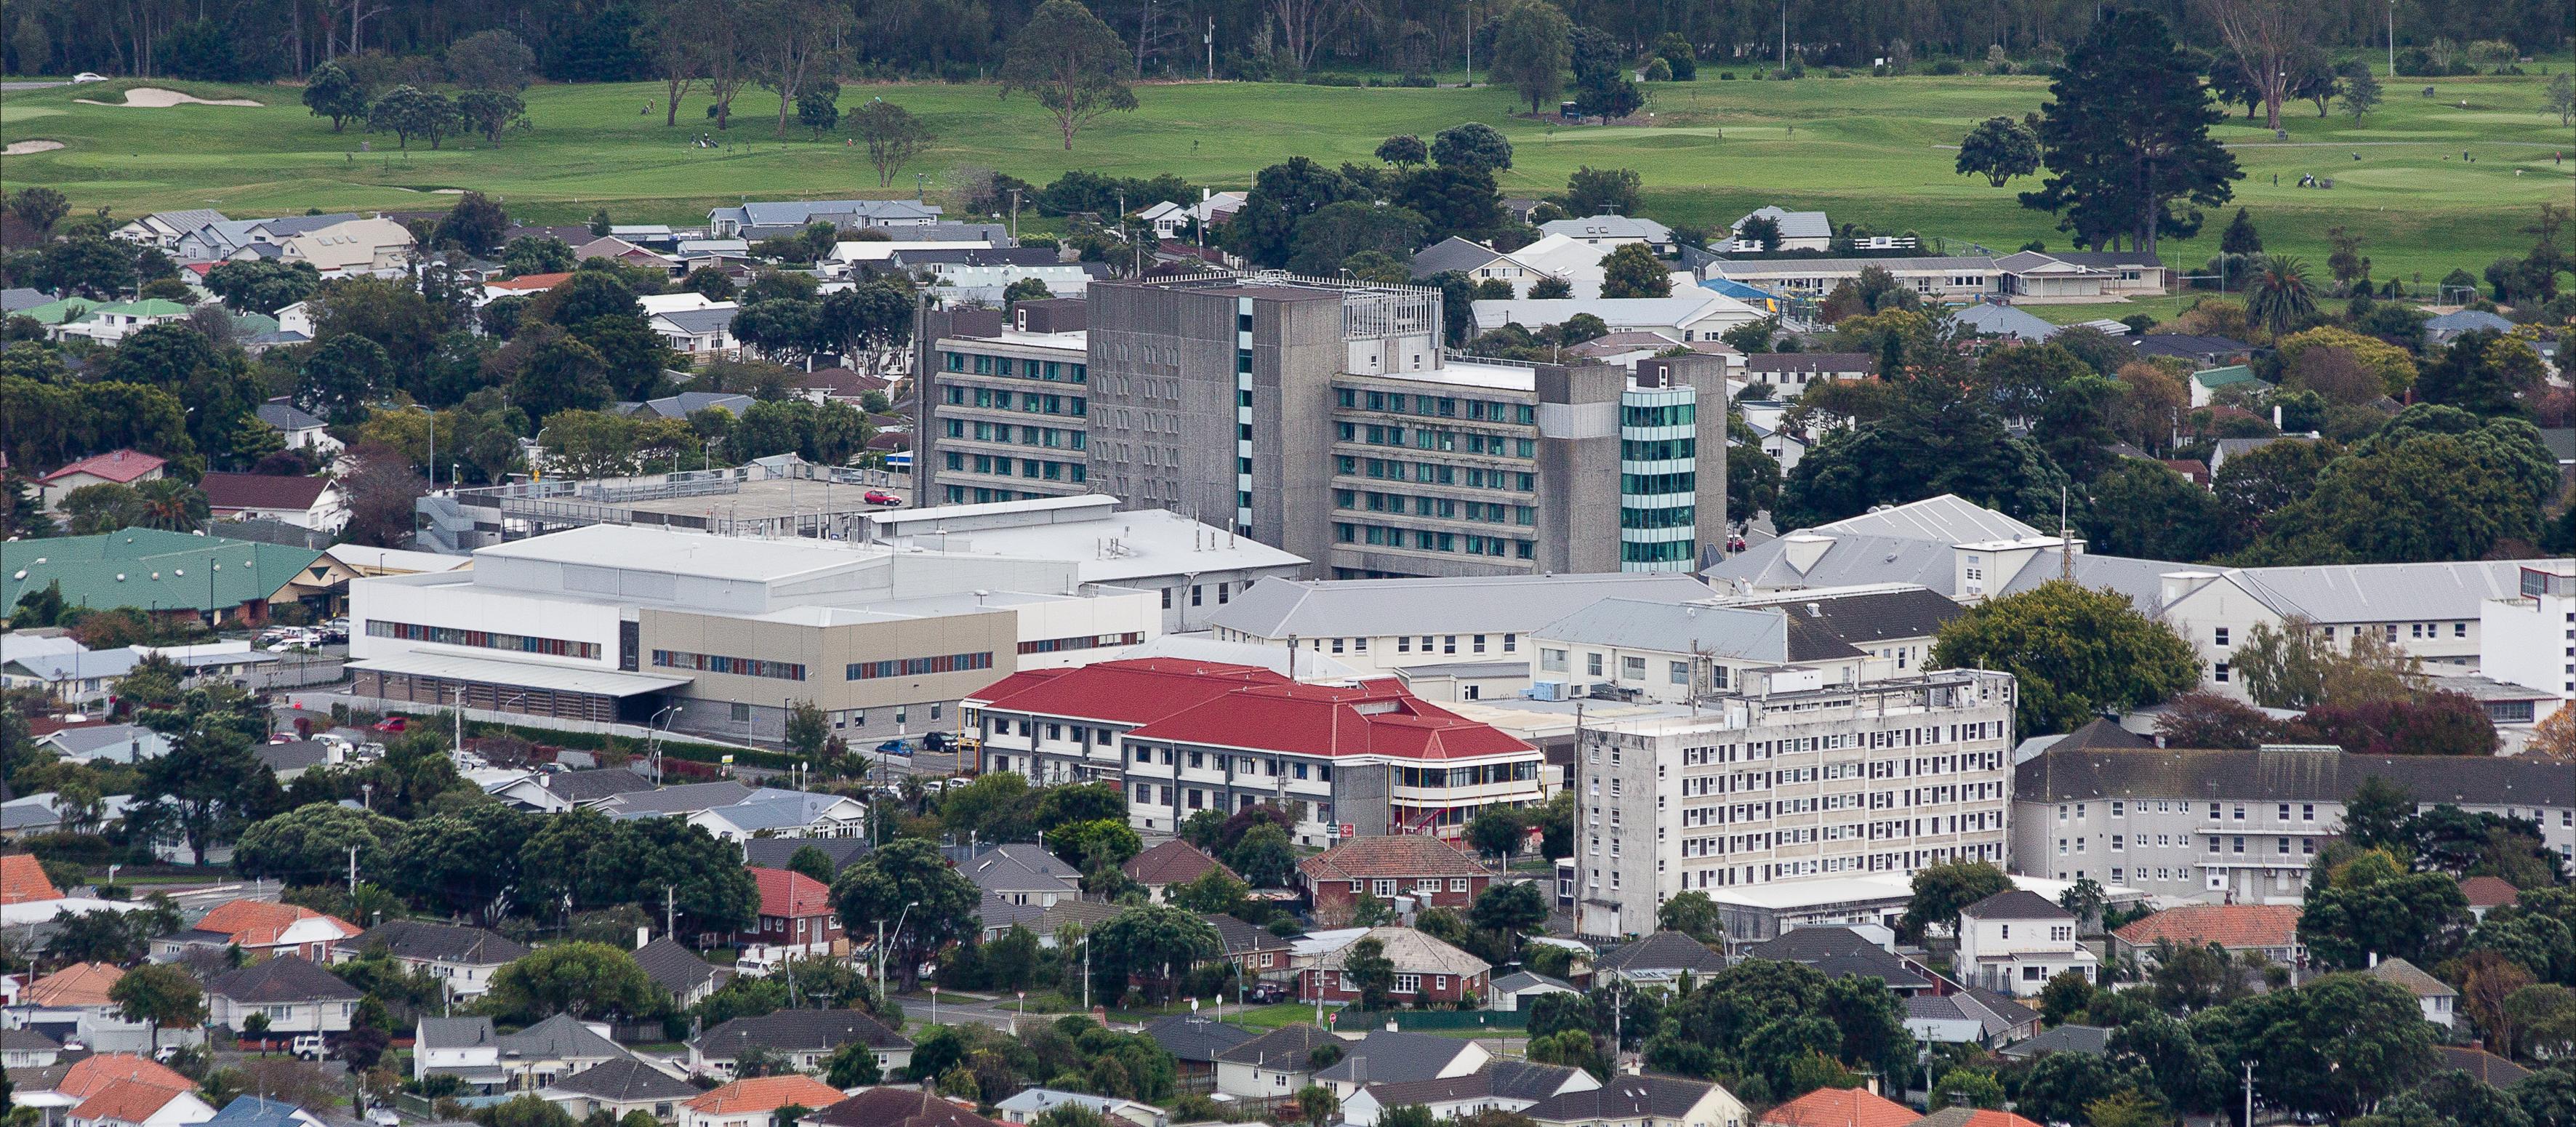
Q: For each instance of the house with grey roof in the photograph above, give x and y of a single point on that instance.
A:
(2089, 1040)
(2440, 1003)
(1195, 1041)
(701, 334)
(1799, 230)
(470, 1049)
(1502, 1085)
(295, 995)
(1477, 262)
(618, 1088)
(107, 743)
(807, 1038)
(2449, 326)
(791, 813)
(1630, 1099)
(1023, 874)
(1971, 1016)
(678, 971)
(1273, 1065)
(1990, 319)
(1659, 959)
(688, 403)
(294, 426)
(1848, 952)
(779, 216)
(1611, 230)
(463, 959)
(1387, 1056)
(681, 800)
(16, 298)
(1029, 1104)
(1515, 991)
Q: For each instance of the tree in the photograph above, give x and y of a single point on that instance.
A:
(261, 286)
(330, 91)
(1404, 151)
(1316, 1105)
(2562, 97)
(1693, 914)
(39, 207)
(1453, 200)
(909, 881)
(812, 862)
(465, 861)
(2265, 39)
(381, 486)
(2360, 89)
(160, 995)
(1531, 50)
(2277, 294)
(818, 107)
(1631, 270)
(1941, 890)
(1333, 233)
(2440, 723)
(2126, 137)
(2145, 510)
(1999, 148)
(2464, 491)
(1497, 832)
(893, 136)
(1509, 910)
(1473, 145)
(1096, 844)
(579, 978)
(1152, 944)
(311, 844)
(2064, 996)
(1368, 969)
(2240, 237)
(408, 112)
(490, 111)
(2418, 917)
(340, 376)
(492, 59)
(475, 223)
(1283, 196)
(2482, 373)
(1602, 87)
(2208, 720)
(2077, 653)
(1072, 63)
(203, 789)
(2335, 1046)
(853, 1065)
(1570, 1048)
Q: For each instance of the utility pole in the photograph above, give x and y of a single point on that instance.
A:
(1471, 43)
(353, 880)
(671, 911)
(1015, 216)
(1784, 36)
(2249, 1094)
(1211, 48)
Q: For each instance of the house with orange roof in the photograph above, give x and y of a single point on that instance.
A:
(2272, 929)
(261, 927)
(1435, 873)
(752, 1103)
(23, 880)
(116, 467)
(72, 1005)
(1972, 1117)
(125, 1090)
(525, 285)
(2486, 894)
(1839, 1107)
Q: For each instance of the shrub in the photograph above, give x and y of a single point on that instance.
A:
(1947, 67)
(1726, 76)
(1332, 80)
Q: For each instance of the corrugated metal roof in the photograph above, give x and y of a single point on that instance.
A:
(1277, 608)
(558, 678)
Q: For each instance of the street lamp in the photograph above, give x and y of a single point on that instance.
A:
(881, 944)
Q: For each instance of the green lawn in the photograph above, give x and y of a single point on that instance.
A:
(1867, 150)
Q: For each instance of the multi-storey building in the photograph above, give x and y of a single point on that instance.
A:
(1786, 777)
(1349, 759)
(1323, 417)
(2243, 826)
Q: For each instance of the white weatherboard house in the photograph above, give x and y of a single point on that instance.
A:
(2014, 942)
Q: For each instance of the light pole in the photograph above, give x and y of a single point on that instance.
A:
(881, 944)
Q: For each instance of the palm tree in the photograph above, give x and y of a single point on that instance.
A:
(169, 504)
(2277, 295)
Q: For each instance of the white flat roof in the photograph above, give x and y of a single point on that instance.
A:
(525, 674)
(394, 559)
(1150, 542)
(1821, 892)
(641, 548)
(1074, 341)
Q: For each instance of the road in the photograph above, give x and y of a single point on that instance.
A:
(14, 87)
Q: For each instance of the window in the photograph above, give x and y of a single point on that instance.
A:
(1384, 887)
(1680, 673)
(918, 666)
(1457, 884)
(2218, 672)
(1632, 668)
(1408, 984)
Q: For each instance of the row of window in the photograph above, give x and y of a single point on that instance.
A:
(482, 639)
(1085, 642)
(920, 666)
(1659, 551)
(963, 495)
(1659, 516)
(1657, 449)
(1435, 473)
(737, 666)
(1036, 403)
(1657, 484)
(1426, 541)
(1034, 469)
(1061, 438)
(1446, 643)
(1441, 778)
(1445, 441)
(1441, 507)
(1061, 371)
(1669, 415)
(1437, 406)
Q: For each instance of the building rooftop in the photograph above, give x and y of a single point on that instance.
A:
(1106, 545)
(1840, 1107)
(2234, 926)
(1393, 856)
(2294, 774)
(1275, 609)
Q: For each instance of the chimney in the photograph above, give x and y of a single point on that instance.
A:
(643, 935)
(1804, 549)
(2374, 959)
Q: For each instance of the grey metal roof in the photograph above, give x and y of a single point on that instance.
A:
(1392, 1056)
(979, 256)
(1793, 224)
(1994, 1014)
(1876, 616)
(2016, 904)
(2107, 259)
(2561, 442)
(1520, 980)
(797, 213)
(625, 1079)
(796, 1031)
(559, 1038)
(455, 1032)
(686, 798)
(1948, 518)
(673, 967)
(16, 298)
(1839, 952)
(293, 755)
(1320, 608)
(2090, 1040)
(1608, 227)
(2467, 320)
(285, 416)
(2393, 592)
(1800, 267)
(701, 322)
(1012, 867)
(1727, 632)
(2289, 774)
(2140, 581)
(1661, 951)
(289, 226)
(96, 738)
(1452, 253)
(596, 784)
(424, 939)
(286, 978)
(2003, 320)
(1623, 1098)
(1849, 561)
(1284, 1048)
(2187, 345)
(1192, 1038)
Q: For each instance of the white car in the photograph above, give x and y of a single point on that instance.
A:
(89, 76)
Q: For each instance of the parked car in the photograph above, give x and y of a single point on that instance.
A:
(392, 724)
(895, 747)
(89, 76)
(1265, 993)
(881, 497)
(307, 1046)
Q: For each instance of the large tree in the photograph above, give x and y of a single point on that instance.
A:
(1154, 945)
(2077, 653)
(314, 844)
(910, 888)
(586, 980)
(2264, 39)
(1531, 49)
(1999, 148)
(203, 790)
(892, 135)
(2336, 1046)
(161, 995)
(1072, 63)
(2126, 138)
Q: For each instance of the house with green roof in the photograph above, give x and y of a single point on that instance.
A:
(59, 312)
(2206, 384)
(108, 324)
(221, 580)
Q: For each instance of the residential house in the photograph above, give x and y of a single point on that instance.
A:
(1500, 1085)
(1839, 1107)
(1428, 972)
(1478, 262)
(1384, 1055)
(807, 1038)
(164, 229)
(2482, 1066)
(2271, 930)
(2089, 1040)
(28, 1048)
(2081, 275)
(1023, 874)
(700, 334)
(1972, 1016)
(261, 1111)
(72, 1006)
(1515, 991)
(2486, 894)
(2205, 384)
(1799, 230)
(1689, 315)
(305, 502)
(1255, 953)
(1195, 1042)
(525, 285)
(791, 813)
(1028, 1104)
(2014, 942)
(2440, 1003)
(116, 467)
(678, 971)
(896, 1107)
(2201, 351)
(107, 743)
(294, 427)
(1169, 865)
(126, 1094)
(753, 1103)
(290, 759)
(1964, 1116)
(1274, 1065)
(354, 247)
(619, 1088)
(679, 801)
(1850, 951)
(2447, 327)
(18, 299)
(1993, 320)
(776, 852)
(1658, 960)
(1790, 374)
(796, 916)
(296, 996)
(260, 927)
(559, 1046)
(1937, 280)
(463, 959)
(1431, 871)
(757, 219)
(114, 321)
(998, 916)
(1625, 1101)
(1612, 230)
(467, 1048)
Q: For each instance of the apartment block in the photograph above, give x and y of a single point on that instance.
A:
(1784, 778)
(2242, 827)
(1323, 417)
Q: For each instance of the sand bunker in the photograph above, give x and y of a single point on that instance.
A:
(154, 97)
(22, 148)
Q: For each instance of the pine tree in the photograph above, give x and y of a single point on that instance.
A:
(2240, 236)
(2126, 138)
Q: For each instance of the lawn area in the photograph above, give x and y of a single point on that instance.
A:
(1866, 150)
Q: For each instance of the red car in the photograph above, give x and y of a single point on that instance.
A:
(393, 724)
(881, 497)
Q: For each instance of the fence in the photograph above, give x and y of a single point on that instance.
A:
(1500, 1021)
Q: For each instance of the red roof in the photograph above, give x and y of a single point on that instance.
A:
(123, 466)
(23, 880)
(2233, 926)
(1841, 1107)
(255, 923)
(1402, 856)
(129, 1101)
(1137, 691)
(790, 895)
(232, 491)
(529, 283)
(2489, 892)
(89, 1076)
(765, 1094)
(1370, 718)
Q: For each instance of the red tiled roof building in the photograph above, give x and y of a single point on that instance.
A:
(795, 911)
(1360, 759)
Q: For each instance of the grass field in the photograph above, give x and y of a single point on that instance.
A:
(1864, 149)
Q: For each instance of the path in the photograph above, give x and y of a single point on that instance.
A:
(14, 87)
